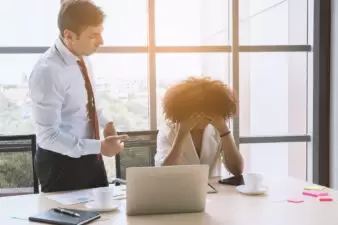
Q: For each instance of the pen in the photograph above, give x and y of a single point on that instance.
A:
(212, 187)
(66, 212)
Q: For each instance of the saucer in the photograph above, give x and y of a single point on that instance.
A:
(243, 189)
(91, 206)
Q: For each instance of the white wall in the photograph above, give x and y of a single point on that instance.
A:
(334, 95)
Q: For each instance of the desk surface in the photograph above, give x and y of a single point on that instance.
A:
(226, 207)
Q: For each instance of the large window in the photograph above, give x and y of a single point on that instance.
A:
(274, 93)
(126, 22)
(15, 107)
(28, 23)
(191, 22)
(261, 48)
(274, 85)
(122, 87)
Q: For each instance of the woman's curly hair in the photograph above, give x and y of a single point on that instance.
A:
(205, 95)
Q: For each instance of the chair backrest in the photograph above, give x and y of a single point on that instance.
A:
(17, 172)
(139, 151)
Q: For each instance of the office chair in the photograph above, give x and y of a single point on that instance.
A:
(17, 172)
(139, 151)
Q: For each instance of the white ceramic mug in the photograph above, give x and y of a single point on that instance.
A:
(103, 196)
(253, 181)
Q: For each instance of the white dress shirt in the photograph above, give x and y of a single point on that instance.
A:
(59, 100)
(210, 149)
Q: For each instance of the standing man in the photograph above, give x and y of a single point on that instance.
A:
(63, 98)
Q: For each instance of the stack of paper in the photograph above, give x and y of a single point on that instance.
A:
(75, 197)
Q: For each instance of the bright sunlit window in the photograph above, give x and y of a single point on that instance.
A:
(273, 85)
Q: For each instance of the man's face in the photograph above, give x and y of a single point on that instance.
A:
(88, 41)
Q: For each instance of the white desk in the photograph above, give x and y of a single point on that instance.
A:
(226, 207)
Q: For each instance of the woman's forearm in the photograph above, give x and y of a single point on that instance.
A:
(176, 150)
(232, 157)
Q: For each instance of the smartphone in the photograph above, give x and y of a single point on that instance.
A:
(234, 180)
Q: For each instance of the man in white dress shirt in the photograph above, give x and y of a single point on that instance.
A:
(67, 121)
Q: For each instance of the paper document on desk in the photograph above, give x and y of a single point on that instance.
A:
(76, 197)
(73, 197)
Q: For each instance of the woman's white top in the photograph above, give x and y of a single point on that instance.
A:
(210, 149)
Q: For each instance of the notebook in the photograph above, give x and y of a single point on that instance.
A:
(52, 217)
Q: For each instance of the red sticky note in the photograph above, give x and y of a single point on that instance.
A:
(295, 200)
(325, 199)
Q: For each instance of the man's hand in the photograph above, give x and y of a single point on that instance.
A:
(109, 129)
(112, 145)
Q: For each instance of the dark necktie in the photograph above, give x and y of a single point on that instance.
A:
(91, 107)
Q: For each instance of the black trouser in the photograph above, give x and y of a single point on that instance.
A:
(57, 172)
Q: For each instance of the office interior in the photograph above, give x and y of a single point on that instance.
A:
(279, 57)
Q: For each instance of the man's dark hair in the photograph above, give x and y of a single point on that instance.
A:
(77, 15)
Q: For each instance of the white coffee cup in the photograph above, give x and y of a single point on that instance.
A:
(103, 196)
(253, 181)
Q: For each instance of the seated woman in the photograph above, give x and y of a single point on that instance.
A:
(196, 131)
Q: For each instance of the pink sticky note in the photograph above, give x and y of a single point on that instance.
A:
(322, 193)
(309, 193)
(325, 199)
(315, 193)
(295, 200)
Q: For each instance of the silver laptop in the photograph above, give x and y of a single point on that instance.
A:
(167, 189)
